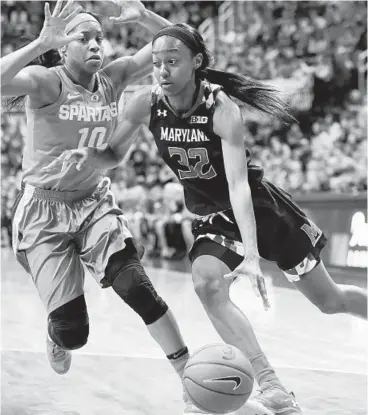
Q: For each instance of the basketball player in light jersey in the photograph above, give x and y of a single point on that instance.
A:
(199, 132)
(67, 220)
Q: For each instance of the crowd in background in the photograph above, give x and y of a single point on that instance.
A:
(309, 50)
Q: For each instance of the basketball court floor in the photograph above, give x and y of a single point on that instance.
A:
(122, 371)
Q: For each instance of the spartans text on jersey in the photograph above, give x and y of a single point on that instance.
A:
(80, 112)
(183, 135)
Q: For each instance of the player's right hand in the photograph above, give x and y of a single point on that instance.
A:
(252, 270)
(53, 34)
(68, 158)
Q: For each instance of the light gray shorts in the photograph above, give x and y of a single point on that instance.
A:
(56, 235)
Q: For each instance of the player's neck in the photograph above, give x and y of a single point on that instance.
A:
(86, 80)
(183, 102)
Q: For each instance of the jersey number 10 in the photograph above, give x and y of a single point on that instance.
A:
(196, 171)
(92, 138)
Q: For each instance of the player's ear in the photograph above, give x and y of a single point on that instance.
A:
(198, 59)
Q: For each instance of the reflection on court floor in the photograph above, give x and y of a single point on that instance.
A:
(123, 372)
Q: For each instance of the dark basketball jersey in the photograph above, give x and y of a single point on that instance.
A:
(193, 151)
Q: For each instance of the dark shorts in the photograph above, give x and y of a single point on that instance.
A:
(284, 234)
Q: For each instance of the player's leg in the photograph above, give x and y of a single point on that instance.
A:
(298, 255)
(211, 261)
(222, 240)
(312, 279)
(331, 298)
(126, 275)
(59, 277)
(107, 249)
(232, 325)
(45, 249)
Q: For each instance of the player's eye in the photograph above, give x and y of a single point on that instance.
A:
(99, 40)
(155, 63)
(173, 61)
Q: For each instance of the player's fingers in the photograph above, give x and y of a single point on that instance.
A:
(47, 11)
(66, 164)
(50, 166)
(73, 14)
(57, 7)
(263, 291)
(81, 163)
(253, 280)
(64, 12)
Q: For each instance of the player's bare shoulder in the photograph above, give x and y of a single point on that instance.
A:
(47, 85)
(138, 107)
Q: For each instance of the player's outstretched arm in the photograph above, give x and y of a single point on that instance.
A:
(15, 78)
(228, 124)
(135, 114)
(129, 69)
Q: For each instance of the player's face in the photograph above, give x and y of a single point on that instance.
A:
(173, 65)
(86, 54)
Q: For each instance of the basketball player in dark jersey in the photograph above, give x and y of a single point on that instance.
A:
(241, 217)
(65, 221)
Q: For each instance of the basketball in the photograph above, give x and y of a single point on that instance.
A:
(218, 378)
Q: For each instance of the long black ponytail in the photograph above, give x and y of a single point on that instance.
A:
(248, 90)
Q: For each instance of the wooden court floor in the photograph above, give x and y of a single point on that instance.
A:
(121, 371)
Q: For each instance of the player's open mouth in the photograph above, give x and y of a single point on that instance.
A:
(165, 84)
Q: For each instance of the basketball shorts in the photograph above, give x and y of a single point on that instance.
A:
(284, 234)
(58, 235)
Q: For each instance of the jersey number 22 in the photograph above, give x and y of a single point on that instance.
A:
(196, 171)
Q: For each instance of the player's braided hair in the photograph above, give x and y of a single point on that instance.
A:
(49, 59)
(254, 93)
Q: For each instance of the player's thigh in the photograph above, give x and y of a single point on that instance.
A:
(105, 235)
(318, 286)
(57, 272)
(210, 262)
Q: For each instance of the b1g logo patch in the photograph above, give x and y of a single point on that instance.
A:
(198, 120)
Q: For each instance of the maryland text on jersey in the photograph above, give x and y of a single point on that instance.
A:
(80, 112)
(183, 135)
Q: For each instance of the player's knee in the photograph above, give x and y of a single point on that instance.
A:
(68, 325)
(332, 304)
(208, 285)
(132, 284)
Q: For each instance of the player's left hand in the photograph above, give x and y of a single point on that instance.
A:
(130, 11)
(67, 158)
(252, 270)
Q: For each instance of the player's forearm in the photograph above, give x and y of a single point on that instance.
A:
(14, 62)
(242, 204)
(105, 159)
(153, 22)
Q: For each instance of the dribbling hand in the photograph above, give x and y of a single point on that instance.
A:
(252, 270)
(53, 34)
(68, 158)
(130, 11)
